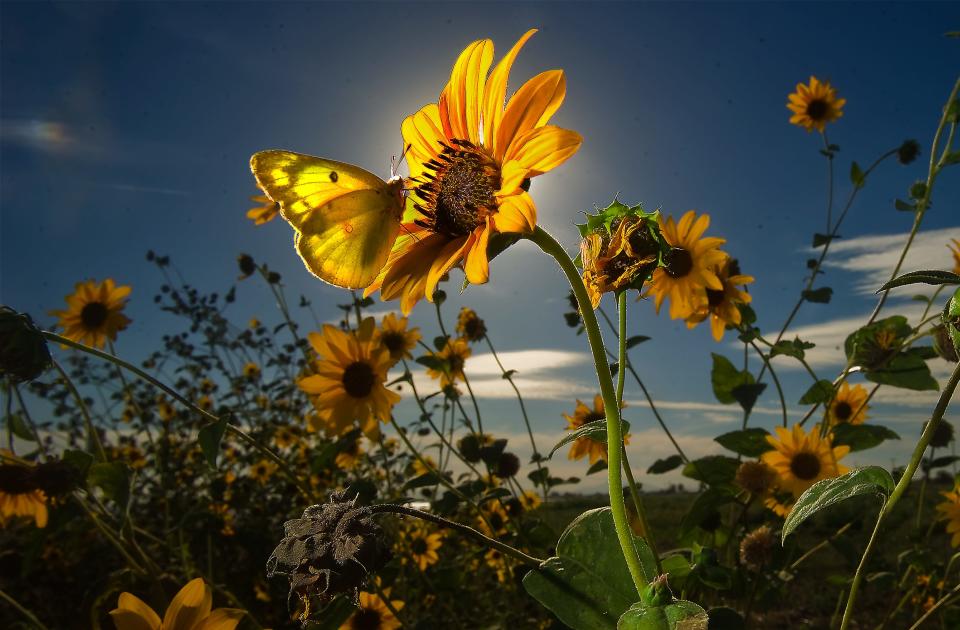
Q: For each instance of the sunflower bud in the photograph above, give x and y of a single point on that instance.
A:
(918, 190)
(943, 345)
(657, 592)
(508, 466)
(247, 266)
(908, 151)
(329, 551)
(942, 435)
(23, 349)
(756, 548)
(469, 446)
(755, 477)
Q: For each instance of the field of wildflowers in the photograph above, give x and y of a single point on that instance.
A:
(246, 476)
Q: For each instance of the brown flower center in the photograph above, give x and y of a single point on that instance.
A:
(805, 466)
(593, 416)
(358, 379)
(94, 315)
(456, 363)
(16, 479)
(418, 546)
(459, 192)
(715, 297)
(842, 411)
(367, 619)
(394, 343)
(818, 109)
(678, 262)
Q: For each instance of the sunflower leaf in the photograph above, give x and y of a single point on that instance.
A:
(595, 430)
(725, 378)
(823, 494)
(209, 438)
(857, 177)
(903, 206)
(636, 340)
(927, 276)
(750, 442)
(940, 462)
(860, 437)
(818, 296)
(795, 348)
(664, 465)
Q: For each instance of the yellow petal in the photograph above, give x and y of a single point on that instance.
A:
(450, 255)
(544, 148)
(191, 605)
(532, 105)
(464, 92)
(132, 613)
(423, 131)
(495, 93)
(223, 619)
(516, 214)
(477, 266)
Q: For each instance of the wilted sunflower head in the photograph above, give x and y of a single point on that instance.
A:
(756, 548)
(23, 350)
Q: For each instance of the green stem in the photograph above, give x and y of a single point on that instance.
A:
(23, 611)
(902, 485)
(776, 381)
(92, 436)
(614, 437)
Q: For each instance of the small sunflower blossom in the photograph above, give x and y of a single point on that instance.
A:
(497, 516)
(954, 248)
(94, 312)
(251, 370)
(190, 609)
(423, 545)
(722, 306)
(950, 512)
(348, 383)
(453, 357)
(373, 613)
(814, 105)
(849, 406)
(263, 470)
(583, 447)
(470, 158)
(618, 259)
(19, 495)
(495, 559)
(423, 465)
(265, 211)
(347, 458)
(394, 335)
(470, 326)
(801, 459)
(688, 265)
(284, 437)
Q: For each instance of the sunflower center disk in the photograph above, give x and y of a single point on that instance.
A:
(366, 619)
(714, 297)
(93, 314)
(358, 379)
(817, 109)
(805, 466)
(459, 192)
(678, 262)
(842, 411)
(419, 546)
(393, 342)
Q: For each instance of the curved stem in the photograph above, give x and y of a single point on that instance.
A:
(92, 435)
(23, 611)
(614, 437)
(776, 381)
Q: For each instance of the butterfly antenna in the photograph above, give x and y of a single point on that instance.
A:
(395, 163)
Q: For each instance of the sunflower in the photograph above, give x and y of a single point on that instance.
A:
(454, 355)
(94, 312)
(689, 265)
(423, 546)
(470, 326)
(263, 470)
(815, 105)
(950, 512)
(350, 455)
(19, 495)
(529, 500)
(265, 211)
(348, 384)
(470, 157)
(423, 465)
(498, 562)
(190, 609)
(284, 437)
(165, 409)
(497, 516)
(620, 260)
(955, 250)
(721, 306)
(584, 446)
(374, 614)
(849, 406)
(801, 459)
(396, 338)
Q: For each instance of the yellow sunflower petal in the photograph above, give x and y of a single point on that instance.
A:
(464, 92)
(517, 215)
(189, 606)
(532, 105)
(544, 148)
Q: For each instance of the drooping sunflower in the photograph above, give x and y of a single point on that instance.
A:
(815, 105)
(801, 459)
(454, 355)
(423, 545)
(721, 306)
(348, 383)
(950, 512)
(190, 609)
(94, 312)
(584, 446)
(618, 260)
(19, 495)
(955, 250)
(265, 211)
(394, 335)
(470, 326)
(469, 158)
(689, 265)
(849, 406)
(373, 614)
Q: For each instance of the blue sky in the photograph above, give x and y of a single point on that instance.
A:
(128, 127)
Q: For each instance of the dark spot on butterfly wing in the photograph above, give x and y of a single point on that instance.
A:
(333, 176)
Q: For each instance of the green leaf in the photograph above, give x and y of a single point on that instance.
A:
(81, 460)
(857, 178)
(819, 392)
(860, 437)
(953, 157)
(927, 276)
(664, 465)
(818, 296)
(601, 464)
(903, 206)
(795, 348)
(421, 481)
(678, 615)
(908, 370)
(713, 470)
(114, 479)
(750, 442)
(210, 437)
(18, 426)
(595, 430)
(587, 585)
(725, 377)
(433, 362)
(723, 618)
(822, 239)
(636, 340)
(747, 394)
(823, 494)
(704, 506)
(940, 462)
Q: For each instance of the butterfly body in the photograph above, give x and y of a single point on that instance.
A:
(345, 218)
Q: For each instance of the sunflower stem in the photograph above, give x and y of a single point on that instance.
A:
(23, 611)
(92, 436)
(902, 486)
(550, 246)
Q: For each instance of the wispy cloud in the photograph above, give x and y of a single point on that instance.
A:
(48, 136)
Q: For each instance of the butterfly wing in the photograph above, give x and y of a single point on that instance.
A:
(346, 219)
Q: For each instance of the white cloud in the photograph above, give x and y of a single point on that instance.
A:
(43, 135)
(525, 362)
(688, 405)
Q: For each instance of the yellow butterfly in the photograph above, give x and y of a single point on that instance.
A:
(345, 219)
